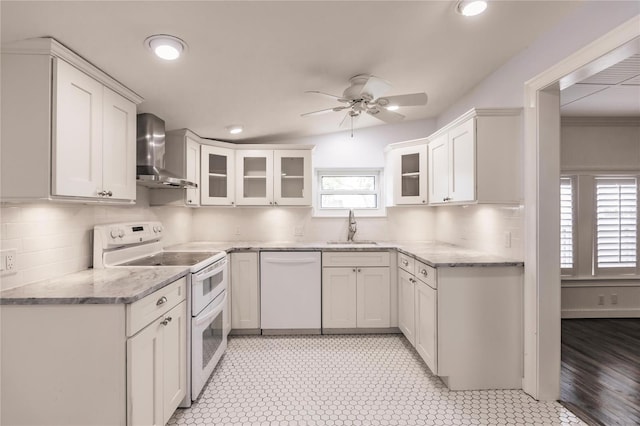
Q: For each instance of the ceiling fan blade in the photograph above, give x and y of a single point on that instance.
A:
(385, 115)
(324, 111)
(413, 99)
(338, 98)
(376, 87)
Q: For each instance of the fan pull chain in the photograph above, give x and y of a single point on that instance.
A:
(351, 116)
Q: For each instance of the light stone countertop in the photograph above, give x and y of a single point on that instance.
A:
(128, 284)
(95, 286)
(433, 253)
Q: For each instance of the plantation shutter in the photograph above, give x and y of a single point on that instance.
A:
(566, 223)
(616, 222)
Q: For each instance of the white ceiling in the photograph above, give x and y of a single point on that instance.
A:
(250, 62)
(612, 92)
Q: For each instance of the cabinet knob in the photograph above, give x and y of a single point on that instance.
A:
(446, 199)
(270, 203)
(354, 269)
(102, 193)
(232, 203)
(166, 321)
(423, 201)
(109, 193)
(359, 270)
(275, 202)
(189, 201)
(424, 272)
(405, 262)
(161, 301)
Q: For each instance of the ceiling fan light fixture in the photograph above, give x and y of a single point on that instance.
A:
(165, 46)
(471, 7)
(235, 129)
(392, 107)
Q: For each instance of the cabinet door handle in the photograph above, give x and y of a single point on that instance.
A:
(424, 272)
(423, 201)
(166, 321)
(446, 199)
(109, 193)
(359, 270)
(405, 262)
(270, 203)
(232, 203)
(161, 301)
(275, 202)
(102, 193)
(354, 269)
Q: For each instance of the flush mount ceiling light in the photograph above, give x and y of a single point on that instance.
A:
(235, 129)
(165, 46)
(471, 7)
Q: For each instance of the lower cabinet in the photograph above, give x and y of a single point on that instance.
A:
(426, 325)
(356, 296)
(406, 305)
(95, 364)
(245, 291)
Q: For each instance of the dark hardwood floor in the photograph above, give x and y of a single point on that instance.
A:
(600, 378)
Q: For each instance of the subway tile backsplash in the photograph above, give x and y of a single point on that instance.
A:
(55, 239)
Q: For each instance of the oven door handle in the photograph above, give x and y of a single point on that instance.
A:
(216, 310)
(201, 276)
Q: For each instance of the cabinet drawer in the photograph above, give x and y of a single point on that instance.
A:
(426, 274)
(355, 258)
(143, 311)
(406, 262)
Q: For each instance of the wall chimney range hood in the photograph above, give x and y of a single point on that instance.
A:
(150, 169)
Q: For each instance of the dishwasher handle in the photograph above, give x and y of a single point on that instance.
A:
(300, 261)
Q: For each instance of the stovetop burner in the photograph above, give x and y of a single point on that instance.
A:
(170, 258)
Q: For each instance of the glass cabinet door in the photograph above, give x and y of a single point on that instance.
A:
(217, 178)
(255, 177)
(292, 177)
(410, 180)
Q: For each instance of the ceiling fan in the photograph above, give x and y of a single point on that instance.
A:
(364, 95)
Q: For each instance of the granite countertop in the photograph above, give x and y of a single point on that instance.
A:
(95, 286)
(433, 253)
(128, 284)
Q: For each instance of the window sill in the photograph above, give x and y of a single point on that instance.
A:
(344, 213)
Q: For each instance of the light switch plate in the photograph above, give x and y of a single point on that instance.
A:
(298, 231)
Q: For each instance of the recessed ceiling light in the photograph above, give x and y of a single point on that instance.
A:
(165, 46)
(471, 7)
(235, 129)
(392, 107)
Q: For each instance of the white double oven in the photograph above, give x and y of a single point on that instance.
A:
(138, 244)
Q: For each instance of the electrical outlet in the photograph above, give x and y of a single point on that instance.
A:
(8, 261)
(601, 299)
(614, 299)
(298, 231)
(237, 230)
(507, 239)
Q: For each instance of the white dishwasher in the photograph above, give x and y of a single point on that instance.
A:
(290, 292)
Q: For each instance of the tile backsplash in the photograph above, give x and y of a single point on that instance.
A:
(54, 239)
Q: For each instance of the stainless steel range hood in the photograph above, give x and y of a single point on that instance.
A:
(150, 159)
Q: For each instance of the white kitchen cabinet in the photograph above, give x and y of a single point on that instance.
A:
(217, 176)
(182, 158)
(106, 364)
(81, 139)
(339, 297)
(273, 177)
(357, 295)
(476, 158)
(292, 177)
(245, 291)
(156, 369)
(410, 174)
(406, 308)
(426, 326)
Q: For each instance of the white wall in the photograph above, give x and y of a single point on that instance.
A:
(55, 239)
(505, 86)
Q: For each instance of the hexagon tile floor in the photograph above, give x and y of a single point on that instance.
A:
(348, 380)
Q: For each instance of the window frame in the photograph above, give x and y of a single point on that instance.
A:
(378, 173)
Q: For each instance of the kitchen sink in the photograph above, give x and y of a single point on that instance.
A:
(353, 242)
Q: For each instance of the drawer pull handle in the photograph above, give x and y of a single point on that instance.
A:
(405, 262)
(161, 301)
(424, 272)
(354, 269)
(166, 321)
(359, 270)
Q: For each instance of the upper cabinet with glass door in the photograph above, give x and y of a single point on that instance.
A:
(406, 166)
(217, 176)
(273, 177)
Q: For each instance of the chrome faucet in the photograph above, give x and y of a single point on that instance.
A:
(352, 226)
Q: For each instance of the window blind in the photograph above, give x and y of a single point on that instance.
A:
(616, 222)
(566, 223)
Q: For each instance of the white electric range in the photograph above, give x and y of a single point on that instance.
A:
(138, 244)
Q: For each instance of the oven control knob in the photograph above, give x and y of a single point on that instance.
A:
(121, 233)
(114, 233)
